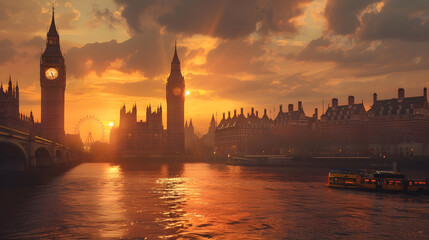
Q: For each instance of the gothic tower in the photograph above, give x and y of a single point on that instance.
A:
(175, 91)
(53, 85)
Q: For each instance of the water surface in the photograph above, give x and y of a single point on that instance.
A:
(206, 201)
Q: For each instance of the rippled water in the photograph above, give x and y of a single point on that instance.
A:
(200, 201)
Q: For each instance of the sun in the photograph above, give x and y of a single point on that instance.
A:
(111, 124)
(187, 93)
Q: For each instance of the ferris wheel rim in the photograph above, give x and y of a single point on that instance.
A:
(90, 118)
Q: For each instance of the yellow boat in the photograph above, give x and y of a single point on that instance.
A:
(345, 178)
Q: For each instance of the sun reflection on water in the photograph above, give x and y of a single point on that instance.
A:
(110, 209)
(174, 192)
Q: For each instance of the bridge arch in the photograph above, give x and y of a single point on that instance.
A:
(43, 157)
(13, 156)
(60, 156)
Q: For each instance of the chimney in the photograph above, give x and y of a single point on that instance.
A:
(334, 102)
(235, 112)
(425, 93)
(253, 111)
(223, 116)
(265, 112)
(281, 107)
(257, 114)
(351, 100)
(374, 97)
(401, 94)
(242, 112)
(299, 105)
(229, 114)
(290, 108)
(316, 113)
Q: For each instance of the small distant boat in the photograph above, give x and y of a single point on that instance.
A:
(370, 179)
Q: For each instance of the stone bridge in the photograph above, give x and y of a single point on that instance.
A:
(20, 151)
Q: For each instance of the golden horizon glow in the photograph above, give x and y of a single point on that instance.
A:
(111, 62)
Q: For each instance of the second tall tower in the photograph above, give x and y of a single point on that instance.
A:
(175, 93)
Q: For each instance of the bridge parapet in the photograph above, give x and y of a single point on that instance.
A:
(34, 151)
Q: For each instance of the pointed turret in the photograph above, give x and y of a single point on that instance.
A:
(52, 40)
(190, 123)
(175, 57)
(16, 95)
(175, 64)
(9, 88)
(53, 29)
(31, 116)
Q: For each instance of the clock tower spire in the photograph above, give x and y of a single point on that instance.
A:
(175, 93)
(53, 85)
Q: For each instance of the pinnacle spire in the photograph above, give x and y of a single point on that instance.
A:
(53, 29)
(175, 57)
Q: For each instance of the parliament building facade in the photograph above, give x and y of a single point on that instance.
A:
(138, 138)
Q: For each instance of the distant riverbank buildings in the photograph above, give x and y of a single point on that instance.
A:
(392, 127)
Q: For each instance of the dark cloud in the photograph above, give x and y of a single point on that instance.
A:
(369, 58)
(237, 56)
(149, 53)
(383, 37)
(7, 51)
(105, 16)
(375, 20)
(320, 49)
(222, 18)
(398, 19)
(342, 15)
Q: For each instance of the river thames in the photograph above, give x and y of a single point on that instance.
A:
(202, 201)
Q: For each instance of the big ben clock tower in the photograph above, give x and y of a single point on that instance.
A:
(53, 85)
(175, 92)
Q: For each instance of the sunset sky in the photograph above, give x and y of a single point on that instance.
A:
(234, 53)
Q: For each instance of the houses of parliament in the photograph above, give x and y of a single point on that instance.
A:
(132, 136)
(53, 85)
(145, 138)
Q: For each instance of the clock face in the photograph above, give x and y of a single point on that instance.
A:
(51, 73)
(177, 91)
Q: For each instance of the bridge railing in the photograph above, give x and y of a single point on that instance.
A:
(19, 135)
